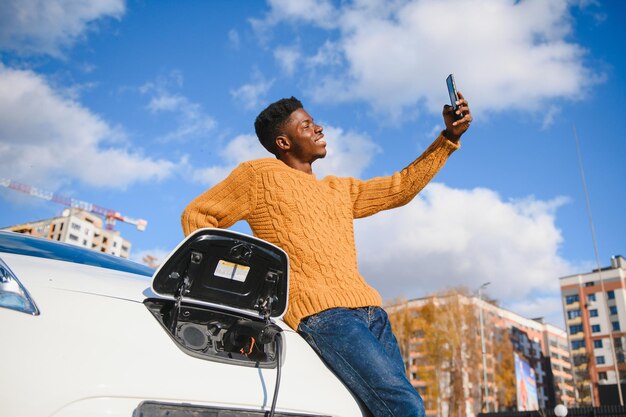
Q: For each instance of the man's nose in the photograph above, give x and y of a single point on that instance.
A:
(318, 128)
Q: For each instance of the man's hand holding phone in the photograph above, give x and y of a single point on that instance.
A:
(457, 116)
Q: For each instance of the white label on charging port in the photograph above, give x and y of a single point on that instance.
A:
(232, 271)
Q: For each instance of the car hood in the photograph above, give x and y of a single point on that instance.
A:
(39, 274)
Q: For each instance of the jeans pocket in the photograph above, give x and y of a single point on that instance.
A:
(328, 318)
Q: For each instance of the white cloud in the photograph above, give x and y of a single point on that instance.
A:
(319, 12)
(548, 307)
(435, 131)
(151, 257)
(328, 55)
(50, 26)
(251, 95)
(548, 118)
(233, 39)
(47, 137)
(241, 148)
(395, 55)
(450, 237)
(288, 58)
(349, 154)
(191, 120)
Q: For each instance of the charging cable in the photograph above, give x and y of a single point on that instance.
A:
(279, 342)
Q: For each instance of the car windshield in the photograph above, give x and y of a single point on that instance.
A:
(21, 244)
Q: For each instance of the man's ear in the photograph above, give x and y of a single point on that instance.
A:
(283, 143)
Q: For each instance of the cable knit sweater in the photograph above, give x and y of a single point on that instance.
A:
(312, 220)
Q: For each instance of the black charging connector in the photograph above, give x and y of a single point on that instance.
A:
(263, 333)
(240, 332)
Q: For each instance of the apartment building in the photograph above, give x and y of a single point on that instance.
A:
(80, 228)
(545, 348)
(594, 305)
(542, 345)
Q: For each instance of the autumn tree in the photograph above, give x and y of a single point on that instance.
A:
(504, 378)
(403, 323)
(442, 329)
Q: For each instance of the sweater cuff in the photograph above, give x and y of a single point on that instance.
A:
(453, 146)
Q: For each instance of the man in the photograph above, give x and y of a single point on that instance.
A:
(330, 304)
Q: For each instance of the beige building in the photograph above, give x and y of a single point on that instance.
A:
(594, 304)
(542, 345)
(80, 228)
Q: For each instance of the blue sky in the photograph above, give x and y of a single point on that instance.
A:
(140, 106)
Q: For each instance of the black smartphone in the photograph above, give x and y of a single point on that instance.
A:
(454, 97)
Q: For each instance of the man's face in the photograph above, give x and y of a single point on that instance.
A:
(305, 137)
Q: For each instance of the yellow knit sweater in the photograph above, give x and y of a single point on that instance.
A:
(312, 220)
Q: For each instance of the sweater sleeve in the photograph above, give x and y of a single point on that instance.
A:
(223, 205)
(382, 193)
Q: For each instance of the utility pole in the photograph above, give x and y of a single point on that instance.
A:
(604, 294)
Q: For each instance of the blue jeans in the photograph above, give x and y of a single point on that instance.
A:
(358, 345)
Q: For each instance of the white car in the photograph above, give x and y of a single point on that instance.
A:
(88, 334)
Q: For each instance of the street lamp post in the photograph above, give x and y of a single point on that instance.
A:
(482, 343)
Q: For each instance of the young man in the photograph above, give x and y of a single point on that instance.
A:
(330, 304)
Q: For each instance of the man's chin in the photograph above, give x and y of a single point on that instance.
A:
(321, 154)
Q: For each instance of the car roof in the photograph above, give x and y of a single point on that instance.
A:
(21, 244)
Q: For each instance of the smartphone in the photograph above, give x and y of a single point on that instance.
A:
(454, 97)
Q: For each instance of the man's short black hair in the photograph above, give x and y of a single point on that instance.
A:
(269, 123)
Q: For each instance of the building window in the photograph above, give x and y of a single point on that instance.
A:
(576, 328)
(597, 344)
(591, 297)
(73, 237)
(610, 295)
(75, 226)
(602, 376)
(590, 284)
(577, 344)
(580, 359)
(615, 325)
(572, 314)
(613, 309)
(571, 299)
(600, 360)
(593, 312)
(595, 328)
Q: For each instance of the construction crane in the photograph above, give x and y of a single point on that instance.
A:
(111, 216)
